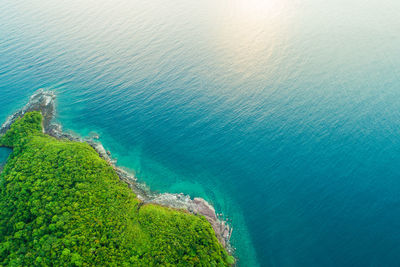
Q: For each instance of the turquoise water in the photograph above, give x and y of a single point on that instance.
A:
(282, 113)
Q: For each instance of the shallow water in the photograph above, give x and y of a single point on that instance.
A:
(282, 113)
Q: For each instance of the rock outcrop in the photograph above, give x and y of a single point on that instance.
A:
(42, 101)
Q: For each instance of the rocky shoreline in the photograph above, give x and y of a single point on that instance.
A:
(44, 101)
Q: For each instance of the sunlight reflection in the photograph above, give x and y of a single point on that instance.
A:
(252, 32)
(258, 9)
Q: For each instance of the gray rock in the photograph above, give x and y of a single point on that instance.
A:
(42, 101)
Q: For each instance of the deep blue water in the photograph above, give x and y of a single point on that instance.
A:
(285, 114)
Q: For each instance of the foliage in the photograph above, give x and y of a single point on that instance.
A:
(30, 124)
(62, 205)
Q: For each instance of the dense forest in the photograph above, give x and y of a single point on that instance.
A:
(62, 205)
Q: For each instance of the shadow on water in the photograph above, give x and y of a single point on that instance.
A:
(4, 153)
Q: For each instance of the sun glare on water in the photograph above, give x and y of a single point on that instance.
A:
(257, 9)
(250, 32)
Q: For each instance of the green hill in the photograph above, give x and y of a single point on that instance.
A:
(62, 205)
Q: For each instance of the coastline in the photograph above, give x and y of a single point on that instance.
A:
(44, 101)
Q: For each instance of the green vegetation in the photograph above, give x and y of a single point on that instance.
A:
(62, 205)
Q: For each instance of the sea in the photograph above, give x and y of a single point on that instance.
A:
(284, 114)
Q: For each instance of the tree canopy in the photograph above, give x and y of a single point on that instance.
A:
(62, 205)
